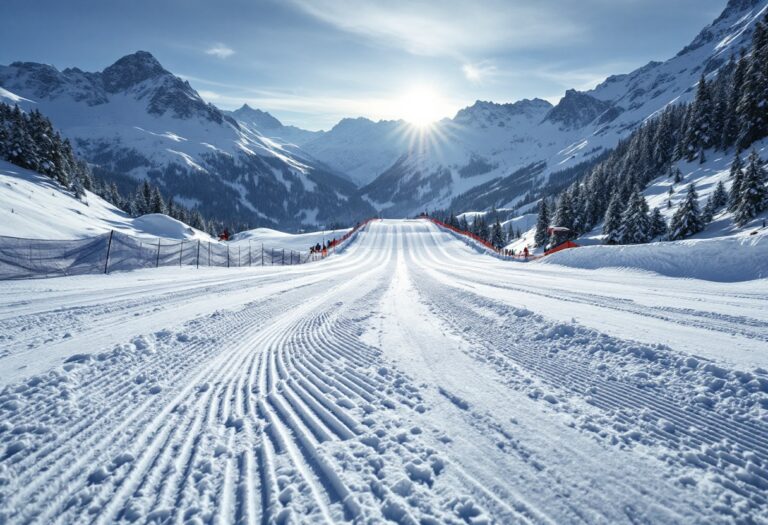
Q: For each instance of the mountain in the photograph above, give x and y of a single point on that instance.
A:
(492, 154)
(136, 120)
(268, 126)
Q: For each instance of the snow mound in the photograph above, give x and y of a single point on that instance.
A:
(160, 225)
(291, 241)
(730, 259)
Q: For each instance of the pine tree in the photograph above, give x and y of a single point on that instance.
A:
(658, 224)
(157, 205)
(497, 235)
(699, 136)
(612, 223)
(730, 131)
(736, 176)
(708, 213)
(635, 223)
(542, 224)
(754, 194)
(143, 200)
(719, 196)
(564, 218)
(753, 104)
(77, 188)
(687, 219)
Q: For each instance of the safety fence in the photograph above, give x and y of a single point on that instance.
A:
(114, 251)
(471, 237)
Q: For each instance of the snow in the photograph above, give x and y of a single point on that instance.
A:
(35, 207)
(728, 259)
(408, 378)
(289, 241)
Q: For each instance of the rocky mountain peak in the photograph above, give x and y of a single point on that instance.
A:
(576, 109)
(261, 119)
(131, 70)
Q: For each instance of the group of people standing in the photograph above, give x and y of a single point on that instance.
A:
(322, 249)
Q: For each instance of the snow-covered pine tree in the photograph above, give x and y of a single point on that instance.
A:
(753, 193)
(143, 200)
(564, 217)
(612, 222)
(497, 235)
(730, 131)
(157, 204)
(687, 219)
(542, 224)
(708, 213)
(635, 223)
(658, 224)
(77, 188)
(719, 196)
(113, 196)
(699, 133)
(754, 94)
(737, 176)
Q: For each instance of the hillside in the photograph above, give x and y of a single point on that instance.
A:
(33, 206)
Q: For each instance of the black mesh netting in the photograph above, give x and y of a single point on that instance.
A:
(27, 258)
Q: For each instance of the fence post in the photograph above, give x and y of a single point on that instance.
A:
(250, 255)
(109, 248)
(181, 252)
(227, 256)
(239, 264)
(282, 260)
(157, 262)
(209, 253)
(197, 264)
(262, 254)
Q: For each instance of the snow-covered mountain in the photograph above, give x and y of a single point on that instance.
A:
(136, 120)
(492, 154)
(268, 126)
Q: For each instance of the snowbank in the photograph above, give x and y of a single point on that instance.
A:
(291, 241)
(728, 259)
(33, 206)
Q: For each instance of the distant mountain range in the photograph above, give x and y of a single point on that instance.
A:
(135, 119)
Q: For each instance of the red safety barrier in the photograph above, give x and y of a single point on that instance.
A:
(485, 243)
(334, 243)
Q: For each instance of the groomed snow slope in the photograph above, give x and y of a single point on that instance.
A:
(34, 206)
(407, 379)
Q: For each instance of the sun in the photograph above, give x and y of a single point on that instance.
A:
(421, 106)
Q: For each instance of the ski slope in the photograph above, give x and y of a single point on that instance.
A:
(407, 378)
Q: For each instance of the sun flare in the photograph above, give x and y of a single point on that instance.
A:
(421, 106)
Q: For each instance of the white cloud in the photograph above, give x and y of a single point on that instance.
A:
(220, 51)
(450, 27)
(479, 72)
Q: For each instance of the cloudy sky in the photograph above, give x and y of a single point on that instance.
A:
(312, 62)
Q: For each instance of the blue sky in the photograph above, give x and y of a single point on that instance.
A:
(312, 62)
